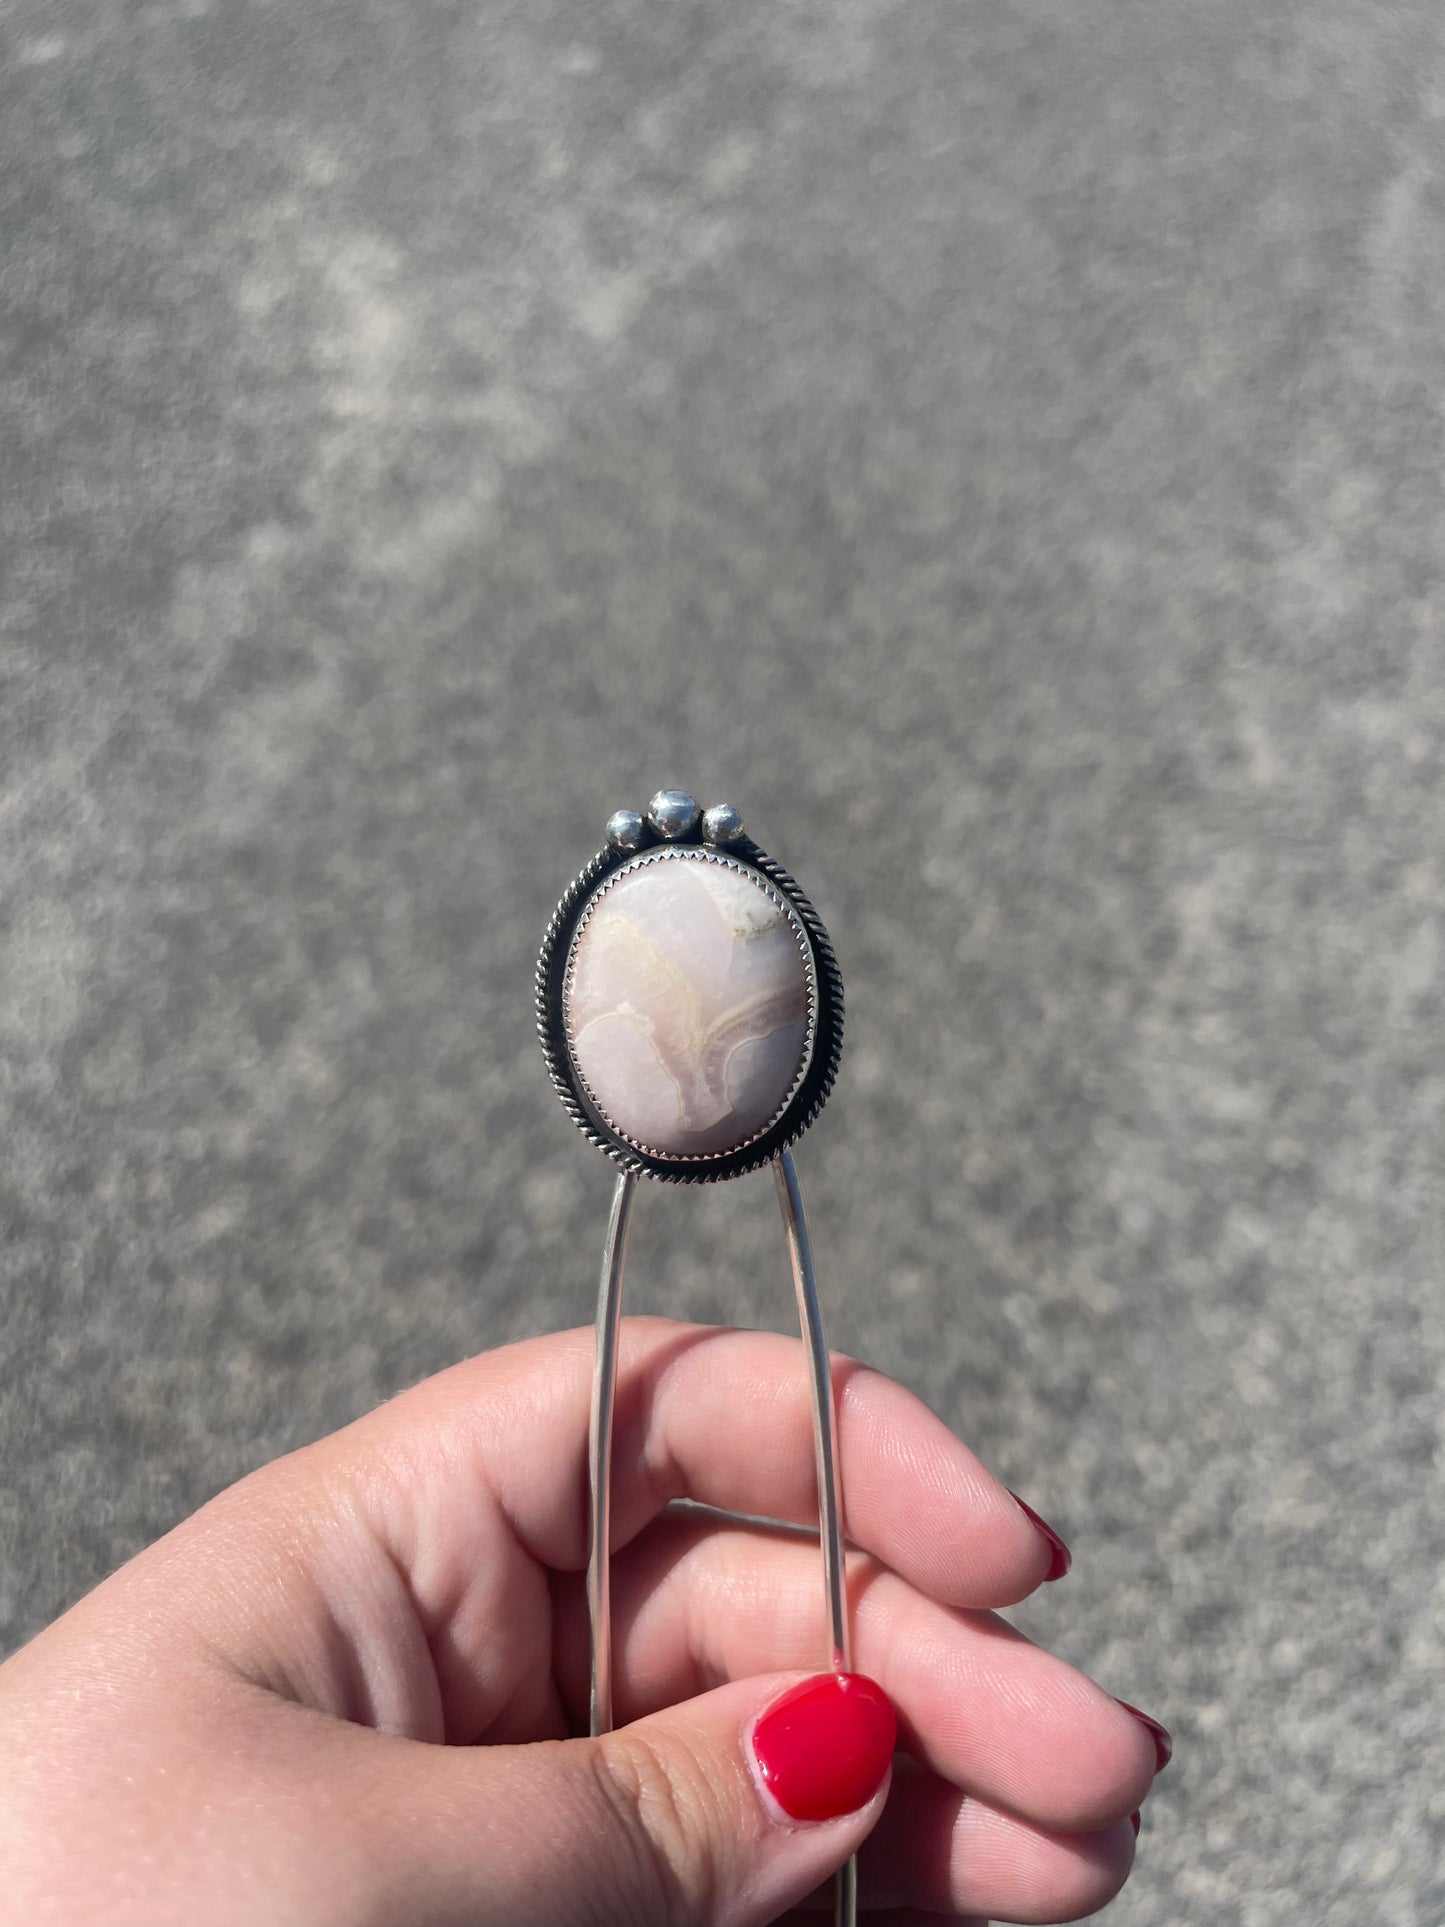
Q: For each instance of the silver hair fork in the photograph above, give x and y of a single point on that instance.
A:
(688, 892)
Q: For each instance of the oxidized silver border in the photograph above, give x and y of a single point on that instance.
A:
(815, 1081)
(725, 860)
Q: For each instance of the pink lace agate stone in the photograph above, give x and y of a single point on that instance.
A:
(689, 1000)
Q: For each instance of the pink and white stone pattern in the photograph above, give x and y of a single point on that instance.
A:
(687, 1004)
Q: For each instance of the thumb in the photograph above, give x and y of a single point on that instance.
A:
(721, 1812)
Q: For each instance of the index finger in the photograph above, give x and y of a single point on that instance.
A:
(717, 1415)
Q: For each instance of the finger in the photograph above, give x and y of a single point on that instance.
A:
(724, 1812)
(721, 1416)
(696, 1602)
(937, 1849)
(807, 1916)
(397, 1572)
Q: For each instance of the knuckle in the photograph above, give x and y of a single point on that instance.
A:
(667, 1877)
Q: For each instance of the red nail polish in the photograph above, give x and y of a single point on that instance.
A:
(1163, 1744)
(1136, 1820)
(823, 1748)
(1062, 1558)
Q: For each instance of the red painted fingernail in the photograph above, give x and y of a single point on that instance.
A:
(1163, 1744)
(1136, 1820)
(1062, 1558)
(823, 1748)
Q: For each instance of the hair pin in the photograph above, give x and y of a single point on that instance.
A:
(691, 1013)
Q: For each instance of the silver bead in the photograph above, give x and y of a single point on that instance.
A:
(673, 814)
(722, 823)
(625, 830)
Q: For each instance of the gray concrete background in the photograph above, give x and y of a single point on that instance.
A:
(1000, 448)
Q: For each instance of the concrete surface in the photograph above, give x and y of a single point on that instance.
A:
(1000, 448)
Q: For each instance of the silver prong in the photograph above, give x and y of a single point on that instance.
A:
(830, 1489)
(845, 1894)
(825, 1454)
(599, 1450)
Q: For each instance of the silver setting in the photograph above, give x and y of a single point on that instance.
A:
(673, 814)
(626, 830)
(722, 824)
(692, 853)
(807, 1101)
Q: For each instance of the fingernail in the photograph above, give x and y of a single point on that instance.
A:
(1062, 1558)
(1136, 1820)
(1163, 1744)
(823, 1748)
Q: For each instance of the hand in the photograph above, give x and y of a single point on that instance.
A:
(341, 1694)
